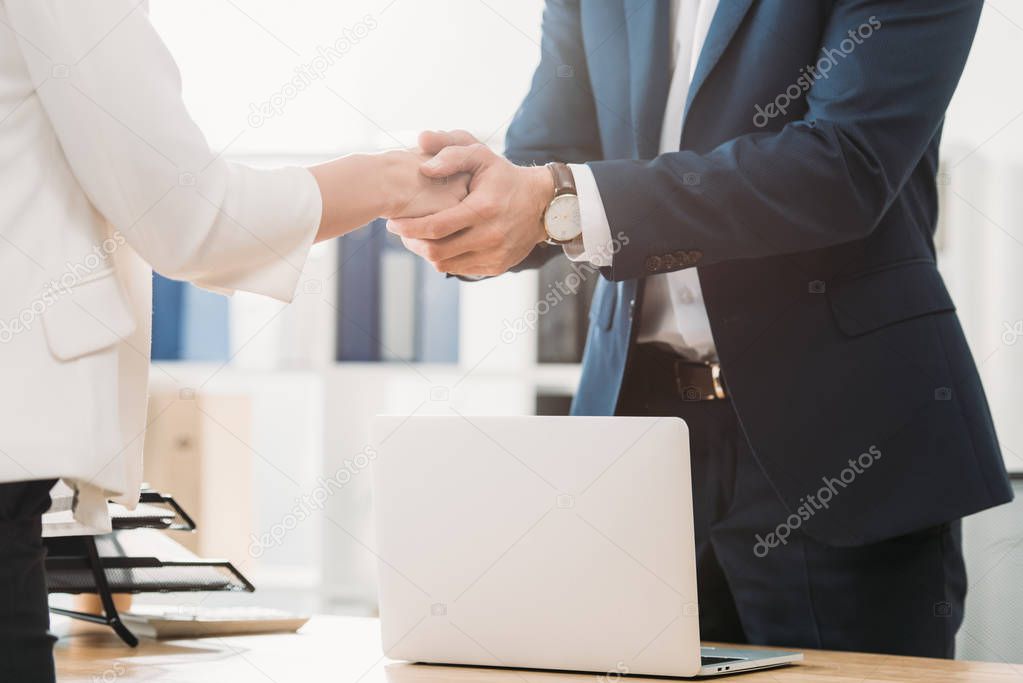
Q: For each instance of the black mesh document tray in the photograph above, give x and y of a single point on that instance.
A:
(155, 511)
(134, 559)
(143, 575)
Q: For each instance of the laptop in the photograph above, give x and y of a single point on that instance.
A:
(559, 543)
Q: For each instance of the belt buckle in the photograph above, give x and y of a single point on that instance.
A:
(688, 392)
(715, 378)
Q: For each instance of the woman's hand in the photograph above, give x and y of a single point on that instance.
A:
(361, 187)
(414, 194)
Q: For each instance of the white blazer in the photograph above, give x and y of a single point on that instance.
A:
(104, 176)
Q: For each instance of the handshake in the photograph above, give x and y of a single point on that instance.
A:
(456, 203)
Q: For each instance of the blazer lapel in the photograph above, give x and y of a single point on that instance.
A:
(727, 18)
(648, 35)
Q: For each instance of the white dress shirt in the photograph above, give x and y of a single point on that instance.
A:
(105, 176)
(673, 311)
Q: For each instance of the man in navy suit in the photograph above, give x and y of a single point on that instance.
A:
(755, 180)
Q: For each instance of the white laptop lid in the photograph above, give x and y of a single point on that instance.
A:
(540, 542)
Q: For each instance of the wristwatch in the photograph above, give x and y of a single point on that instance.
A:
(562, 219)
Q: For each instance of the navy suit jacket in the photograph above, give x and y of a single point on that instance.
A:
(806, 199)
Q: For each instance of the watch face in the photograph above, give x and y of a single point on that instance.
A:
(562, 220)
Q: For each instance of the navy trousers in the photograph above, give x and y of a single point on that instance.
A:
(900, 596)
(26, 646)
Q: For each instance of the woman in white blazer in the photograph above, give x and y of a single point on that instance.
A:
(104, 178)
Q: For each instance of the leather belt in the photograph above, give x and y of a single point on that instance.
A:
(690, 380)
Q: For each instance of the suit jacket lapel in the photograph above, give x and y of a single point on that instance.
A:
(727, 18)
(648, 34)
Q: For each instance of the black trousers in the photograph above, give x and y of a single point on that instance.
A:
(901, 596)
(26, 646)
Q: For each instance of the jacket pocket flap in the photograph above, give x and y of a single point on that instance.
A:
(878, 298)
(91, 316)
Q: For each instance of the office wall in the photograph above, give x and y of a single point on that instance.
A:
(981, 239)
(993, 543)
(981, 256)
(400, 67)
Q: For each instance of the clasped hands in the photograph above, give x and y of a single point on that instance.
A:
(463, 208)
(494, 226)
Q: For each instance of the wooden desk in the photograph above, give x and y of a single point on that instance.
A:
(347, 650)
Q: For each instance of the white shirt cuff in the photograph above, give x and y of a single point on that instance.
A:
(596, 245)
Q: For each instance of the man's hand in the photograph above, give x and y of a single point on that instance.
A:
(496, 226)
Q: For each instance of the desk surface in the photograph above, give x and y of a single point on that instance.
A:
(347, 650)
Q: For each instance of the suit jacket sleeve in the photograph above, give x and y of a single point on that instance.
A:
(112, 93)
(823, 180)
(557, 121)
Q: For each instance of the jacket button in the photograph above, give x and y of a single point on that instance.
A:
(653, 264)
(695, 255)
(670, 262)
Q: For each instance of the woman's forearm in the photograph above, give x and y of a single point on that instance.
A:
(353, 191)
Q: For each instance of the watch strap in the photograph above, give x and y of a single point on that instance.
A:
(564, 181)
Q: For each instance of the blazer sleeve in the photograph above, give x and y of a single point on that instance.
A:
(112, 93)
(557, 121)
(816, 182)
